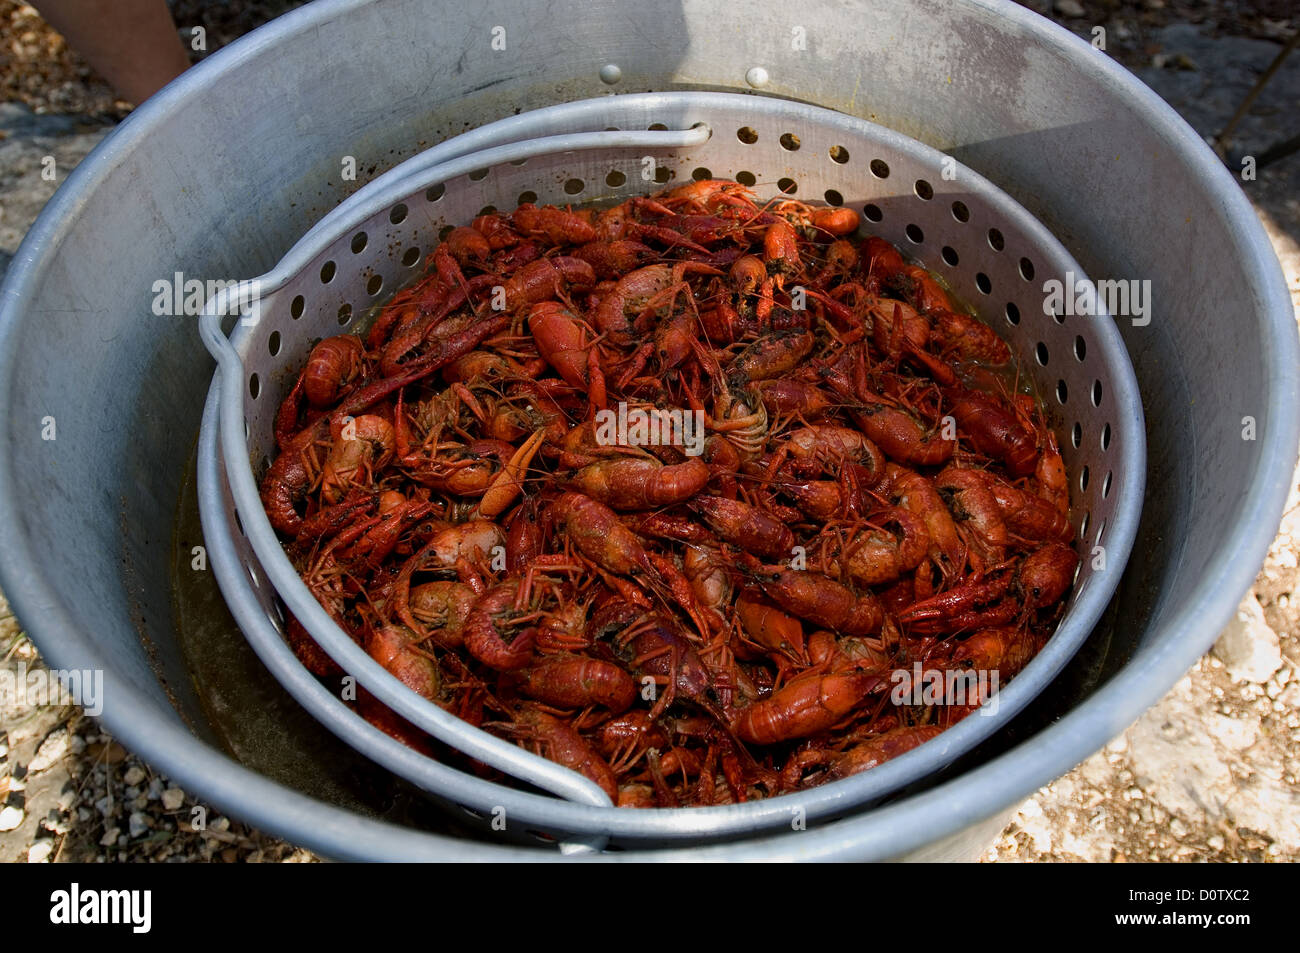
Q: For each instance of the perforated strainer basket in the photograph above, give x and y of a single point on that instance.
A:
(992, 253)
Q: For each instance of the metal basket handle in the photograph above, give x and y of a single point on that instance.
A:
(453, 158)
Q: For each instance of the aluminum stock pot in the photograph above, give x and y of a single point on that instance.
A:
(221, 173)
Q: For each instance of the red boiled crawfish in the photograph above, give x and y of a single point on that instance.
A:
(711, 609)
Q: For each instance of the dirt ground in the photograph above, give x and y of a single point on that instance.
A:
(1208, 774)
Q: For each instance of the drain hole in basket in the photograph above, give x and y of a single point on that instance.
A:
(615, 179)
(982, 283)
(1083, 479)
(527, 198)
(923, 190)
(1105, 437)
(273, 343)
(359, 241)
(747, 179)
(1083, 524)
(701, 174)
(239, 524)
(1026, 269)
(747, 135)
(1076, 435)
(1040, 353)
(1058, 317)
(327, 272)
(657, 127)
(1096, 393)
(662, 175)
(410, 256)
(296, 307)
(374, 285)
(1080, 348)
(914, 234)
(1013, 313)
(996, 241)
(445, 231)
(872, 212)
(435, 192)
(1062, 392)
(834, 198)
(788, 186)
(949, 255)
(789, 142)
(478, 175)
(486, 210)
(1101, 531)
(841, 155)
(880, 168)
(266, 465)
(397, 214)
(1105, 484)
(345, 314)
(254, 386)
(960, 212)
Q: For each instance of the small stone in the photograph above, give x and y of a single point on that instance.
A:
(1248, 648)
(104, 805)
(139, 824)
(173, 798)
(1069, 8)
(52, 749)
(134, 775)
(1214, 842)
(220, 825)
(76, 744)
(155, 789)
(40, 851)
(109, 838)
(1178, 828)
(10, 817)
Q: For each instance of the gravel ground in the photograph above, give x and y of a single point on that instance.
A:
(1208, 774)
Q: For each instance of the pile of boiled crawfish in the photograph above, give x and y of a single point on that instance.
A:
(876, 491)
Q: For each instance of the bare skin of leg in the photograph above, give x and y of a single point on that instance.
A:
(131, 43)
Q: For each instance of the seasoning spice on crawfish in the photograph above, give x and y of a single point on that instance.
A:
(695, 624)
